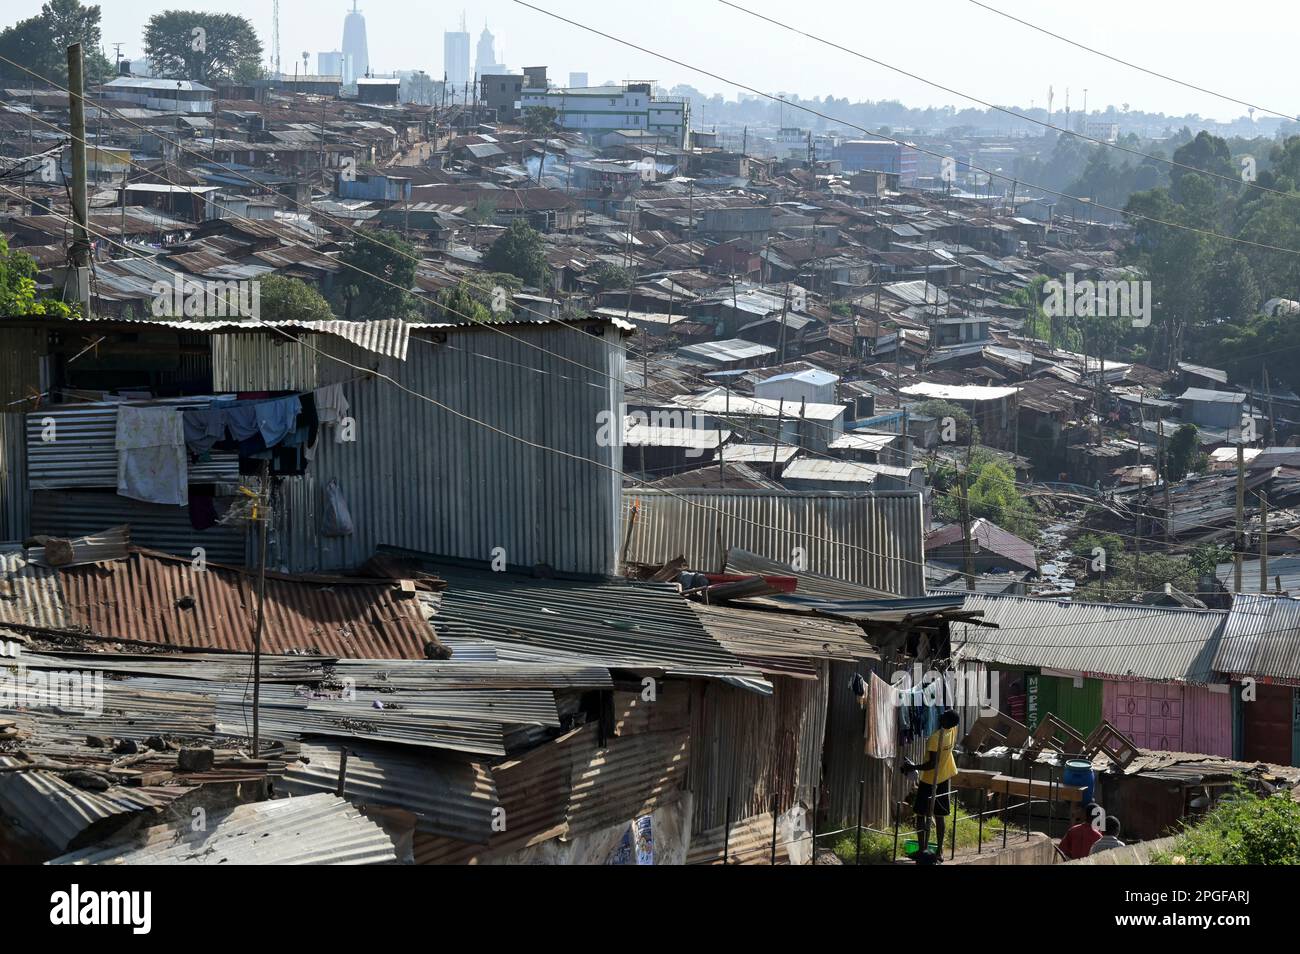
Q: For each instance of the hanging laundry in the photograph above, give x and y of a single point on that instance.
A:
(882, 719)
(151, 461)
(331, 408)
(277, 418)
(204, 426)
(241, 420)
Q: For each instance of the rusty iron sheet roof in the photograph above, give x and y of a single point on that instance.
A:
(152, 597)
(448, 797)
(45, 807)
(29, 593)
(317, 829)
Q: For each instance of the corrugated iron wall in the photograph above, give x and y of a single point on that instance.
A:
(15, 501)
(420, 477)
(257, 362)
(69, 513)
(873, 539)
(846, 762)
(1207, 720)
(21, 350)
(747, 748)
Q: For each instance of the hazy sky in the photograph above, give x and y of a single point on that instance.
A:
(953, 42)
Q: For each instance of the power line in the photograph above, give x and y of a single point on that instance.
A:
(989, 172)
(615, 470)
(1235, 181)
(1135, 66)
(501, 432)
(488, 324)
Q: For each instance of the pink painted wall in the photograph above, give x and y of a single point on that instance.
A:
(1207, 721)
(1169, 716)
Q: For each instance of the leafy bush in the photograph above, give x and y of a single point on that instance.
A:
(1242, 829)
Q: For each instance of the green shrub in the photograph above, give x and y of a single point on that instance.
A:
(1242, 829)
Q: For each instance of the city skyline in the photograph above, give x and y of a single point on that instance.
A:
(404, 35)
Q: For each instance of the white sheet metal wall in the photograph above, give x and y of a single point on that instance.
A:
(259, 362)
(876, 539)
(420, 477)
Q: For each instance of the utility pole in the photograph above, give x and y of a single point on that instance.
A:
(1241, 507)
(1268, 393)
(1263, 542)
(967, 557)
(261, 514)
(1163, 460)
(79, 253)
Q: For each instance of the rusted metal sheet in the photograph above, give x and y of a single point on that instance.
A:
(29, 594)
(15, 497)
(852, 776)
(317, 829)
(47, 809)
(750, 750)
(448, 797)
(748, 843)
(154, 598)
(629, 776)
(872, 539)
(782, 643)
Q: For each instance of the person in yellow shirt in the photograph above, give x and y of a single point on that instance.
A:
(934, 791)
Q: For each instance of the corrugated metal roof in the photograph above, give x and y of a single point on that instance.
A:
(988, 536)
(307, 830)
(147, 598)
(841, 471)
(1262, 638)
(718, 401)
(29, 594)
(782, 643)
(1143, 642)
(871, 539)
(473, 673)
(447, 797)
(618, 623)
(957, 392)
(46, 807)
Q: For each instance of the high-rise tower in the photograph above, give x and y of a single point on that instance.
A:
(355, 55)
(455, 55)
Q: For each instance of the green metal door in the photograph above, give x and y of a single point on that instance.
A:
(1079, 708)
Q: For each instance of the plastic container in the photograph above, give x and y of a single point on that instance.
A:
(1079, 772)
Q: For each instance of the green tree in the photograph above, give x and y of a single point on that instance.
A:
(291, 299)
(379, 269)
(520, 252)
(40, 44)
(485, 296)
(481, 213)
(607, 275)
(1184, 449)
(227, 49)
(1206, 152)
(991, 484)
(18, 293)
(459, 304)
